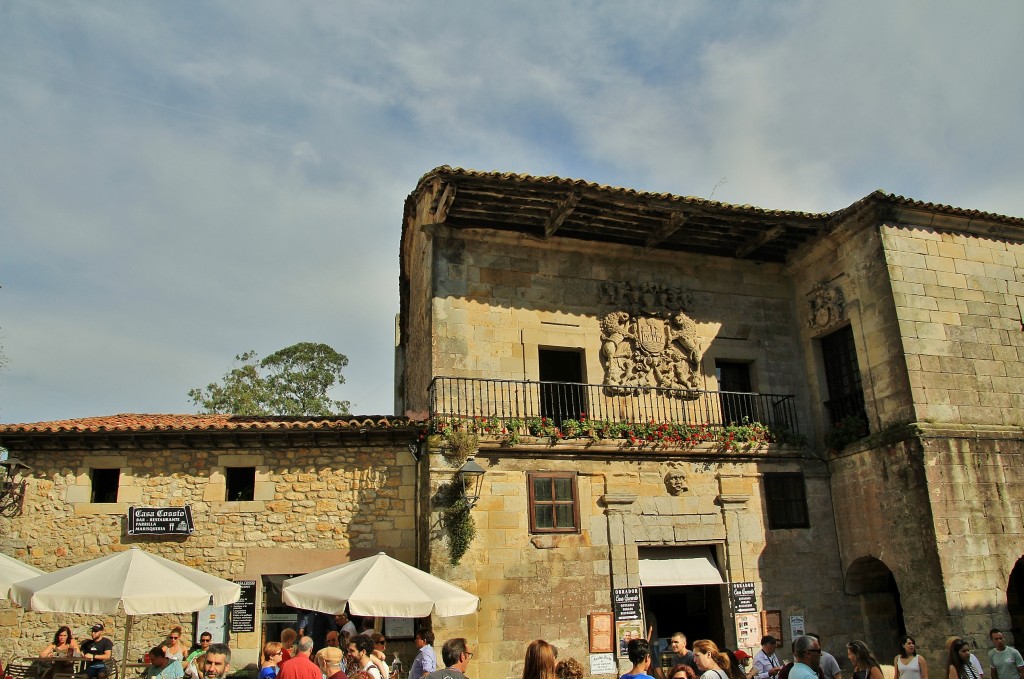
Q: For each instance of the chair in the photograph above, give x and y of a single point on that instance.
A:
(19, 671)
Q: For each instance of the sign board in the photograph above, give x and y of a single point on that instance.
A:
(243, 611)
(287, 618)
(748, 630)
(796, 626)
(603, 663)
(771, 624)
(629, 617)
(400, 628)
(214, 620)
(160, 521)
(602, 638)
(743, 599)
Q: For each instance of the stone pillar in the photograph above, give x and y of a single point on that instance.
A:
(734, 493)
(621, 547)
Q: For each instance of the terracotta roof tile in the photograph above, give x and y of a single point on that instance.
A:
(135, 423)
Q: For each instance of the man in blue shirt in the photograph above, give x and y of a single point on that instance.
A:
(806, 658)
(426, 661)
(639, 652)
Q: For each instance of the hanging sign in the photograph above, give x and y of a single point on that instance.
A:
(160, 521)
(743, 599)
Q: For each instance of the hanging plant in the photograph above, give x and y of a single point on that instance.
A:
(456, 519)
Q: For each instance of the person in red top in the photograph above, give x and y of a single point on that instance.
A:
(300, 666)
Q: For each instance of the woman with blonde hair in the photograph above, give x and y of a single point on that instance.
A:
(271, 657)
(174, 649)
(540, 660)
(288, 637)
(712, 662)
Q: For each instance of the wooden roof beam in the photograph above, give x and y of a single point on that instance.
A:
(560, 213)
(759, 240)
(444, 203)
(667, 228)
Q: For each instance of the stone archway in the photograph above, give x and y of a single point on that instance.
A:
(1015, 601)
(871, 581)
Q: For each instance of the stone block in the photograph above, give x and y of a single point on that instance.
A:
(950, 280)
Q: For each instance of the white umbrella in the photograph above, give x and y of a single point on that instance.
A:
(12, 571)
(136, 580)
(379, 586)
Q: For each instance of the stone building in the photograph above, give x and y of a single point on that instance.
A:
(269, 498)
(886, 334)
(668, 396)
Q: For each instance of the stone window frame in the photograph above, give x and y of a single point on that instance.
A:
(79, 491)
(531, 502)
(216, 490)
(786, 501)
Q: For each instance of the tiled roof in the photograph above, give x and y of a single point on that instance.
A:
(447, 172)
(138, 423)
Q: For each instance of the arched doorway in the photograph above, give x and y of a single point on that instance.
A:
(881, 609)
(1015, 601)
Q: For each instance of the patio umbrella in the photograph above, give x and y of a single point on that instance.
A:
(140, 582)
(379, 586)
(12, 571)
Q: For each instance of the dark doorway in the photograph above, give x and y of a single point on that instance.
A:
(562, 395)
(881, 608)
(1015, 601)
(694, 610)
(737, 403)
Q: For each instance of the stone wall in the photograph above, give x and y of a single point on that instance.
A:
(544, 586)
(314, 507)
(499, 297)
(941, 509)
(851, 260)
(959, 299)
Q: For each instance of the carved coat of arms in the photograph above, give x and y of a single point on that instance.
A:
(648, 351)
(826, 306)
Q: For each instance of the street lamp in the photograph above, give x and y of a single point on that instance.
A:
(471, 475)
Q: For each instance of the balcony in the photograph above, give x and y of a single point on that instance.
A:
(517, 402)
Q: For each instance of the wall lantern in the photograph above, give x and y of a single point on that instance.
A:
(471, 475)
(12, 489)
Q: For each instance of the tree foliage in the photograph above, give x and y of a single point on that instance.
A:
(292, 381)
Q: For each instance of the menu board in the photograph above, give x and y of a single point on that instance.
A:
(243, 611)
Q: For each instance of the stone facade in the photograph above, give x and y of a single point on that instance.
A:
(315, 504)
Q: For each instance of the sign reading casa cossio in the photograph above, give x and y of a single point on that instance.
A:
(160, 521)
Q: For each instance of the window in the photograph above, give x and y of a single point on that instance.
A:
(241, 483)
(842, 376)
(553, 504)
(736, 401)
(786, 497)
(104, 485)
(562, 395)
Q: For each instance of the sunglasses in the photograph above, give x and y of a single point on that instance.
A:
(175, 638)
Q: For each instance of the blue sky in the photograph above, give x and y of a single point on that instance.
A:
(183, 181)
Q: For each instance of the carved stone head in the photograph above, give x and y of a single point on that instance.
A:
(675, 482)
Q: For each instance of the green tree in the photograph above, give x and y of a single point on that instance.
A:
(292, 381)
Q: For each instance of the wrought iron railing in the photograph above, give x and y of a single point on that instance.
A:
(458, 398)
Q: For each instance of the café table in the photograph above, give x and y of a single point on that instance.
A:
(77, 661)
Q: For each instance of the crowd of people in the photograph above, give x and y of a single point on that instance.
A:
(171, 659)
(347, 654)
